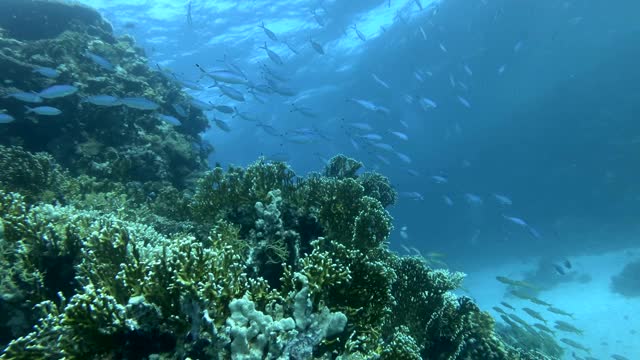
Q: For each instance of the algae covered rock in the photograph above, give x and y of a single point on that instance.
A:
(122, 143)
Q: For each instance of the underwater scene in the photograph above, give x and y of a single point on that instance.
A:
(320, 179)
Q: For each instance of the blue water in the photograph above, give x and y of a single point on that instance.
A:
(548, 117)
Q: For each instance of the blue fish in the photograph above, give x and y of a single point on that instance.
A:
(139, 103)
(169, 119)
(47, 72)
(44, 110)
(100, 61)
(28, 97)
(222, 125)
(58, 91)
(102, 100)
(6, 118)
(201, 105)
(179, 109)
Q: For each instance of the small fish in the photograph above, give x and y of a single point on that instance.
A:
(169, 119)
(447, 200)
(575, 345)
(501, 69)
(418, 3)
(403, 232)
(439, 179)
(317, 47)
(566, 327)
(467, 69)
(379, 81)
(507, 281)
(229, 92)
(537, 301)
(58, 91)
(179, 110)
(559, 269)
(424, 35)
(244, 115)
(559, 311)
(502, 200)
(47, 72)
(464, 102)
(517, 46)
(224, 109)
(544, 328)
(270, 130)
(318, 18)
(413, 195)
(518, 319)
(224, 75)
(361, 126)
(371, 137)
(383, 146)
(100, 61)
(413, 172)
(27, 97)
(269, 33)
(139, 103)
(427, 104)
(473, 199)
(444, 49)
(200, 105)
(222, 125)
(360, 35)
(6, 118)
(102, 100)
(272, 55)
(515, 220)
(507, 305)
(567, 264)
(293, 49)
(44, 110)
(619, 357)
(405, 158)
(400, 135)
(499, 310)
(383, 159)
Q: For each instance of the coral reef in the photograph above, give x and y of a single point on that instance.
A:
(116, 243)
(267, 267)
(114, 142)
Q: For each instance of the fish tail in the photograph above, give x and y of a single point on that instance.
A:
(29, 110)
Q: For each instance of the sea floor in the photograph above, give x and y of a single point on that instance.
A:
(611, 322)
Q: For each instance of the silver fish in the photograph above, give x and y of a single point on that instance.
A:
(6, 118)
(47, 72)
(272, 55)
(379, 81)
(44, 110)
(317, 47)
(360, 34)
(269, 33)
(169, 119)
(102, 100)
(100, 61)
(28, 97)
(58, 91)
(139, 103)
(222, 125)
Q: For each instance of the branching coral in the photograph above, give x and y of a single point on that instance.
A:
(264, 266)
